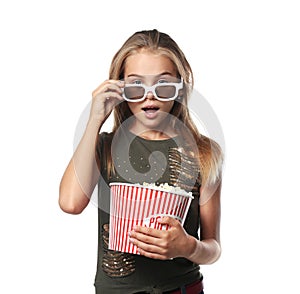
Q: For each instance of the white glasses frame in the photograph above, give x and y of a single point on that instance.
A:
(178, 86)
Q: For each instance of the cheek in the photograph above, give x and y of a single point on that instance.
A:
(133, 107)
(168, 106)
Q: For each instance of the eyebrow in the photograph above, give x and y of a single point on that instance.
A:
(165, 73)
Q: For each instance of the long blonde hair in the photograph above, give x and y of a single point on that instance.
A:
(210, 155)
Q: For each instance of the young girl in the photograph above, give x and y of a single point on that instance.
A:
(153, 140)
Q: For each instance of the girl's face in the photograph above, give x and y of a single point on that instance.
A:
(148, 68)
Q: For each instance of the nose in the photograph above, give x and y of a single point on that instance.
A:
(150, 95)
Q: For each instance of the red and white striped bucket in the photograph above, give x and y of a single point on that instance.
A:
(134, 204)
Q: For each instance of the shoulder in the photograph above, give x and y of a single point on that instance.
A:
(211, 158)
(210, 146)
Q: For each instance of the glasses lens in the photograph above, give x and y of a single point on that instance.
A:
(134, 93)
(165, 92)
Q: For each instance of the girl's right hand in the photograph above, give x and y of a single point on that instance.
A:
(105, 98)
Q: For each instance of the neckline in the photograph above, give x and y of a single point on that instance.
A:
(149, 140)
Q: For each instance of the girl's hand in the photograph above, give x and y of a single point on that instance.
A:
(105, 97)
(163, 244)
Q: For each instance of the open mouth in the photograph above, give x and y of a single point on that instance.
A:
(150, 109)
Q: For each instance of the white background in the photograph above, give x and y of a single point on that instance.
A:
(245, 57)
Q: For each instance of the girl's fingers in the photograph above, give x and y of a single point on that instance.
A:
(109, 86)
(111, 95)
(149, 248)
(148, 231)
(105, 98)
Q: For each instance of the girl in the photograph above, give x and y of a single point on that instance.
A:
(153, 140)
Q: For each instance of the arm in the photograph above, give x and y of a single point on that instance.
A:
(208, 249)
(82, 172)
(177, 243)
(80, 176)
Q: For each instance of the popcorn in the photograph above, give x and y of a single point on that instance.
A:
(169, 188)
(143, 205)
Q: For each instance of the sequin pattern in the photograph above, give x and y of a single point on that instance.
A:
(184, 171)
(115, 264)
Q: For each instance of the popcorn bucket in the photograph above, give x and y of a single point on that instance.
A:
(134, 204)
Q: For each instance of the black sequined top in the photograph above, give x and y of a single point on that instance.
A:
(137, 160)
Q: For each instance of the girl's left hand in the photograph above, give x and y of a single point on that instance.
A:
(162, 244)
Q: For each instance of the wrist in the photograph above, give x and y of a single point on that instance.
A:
(192, 247)
(94, 125)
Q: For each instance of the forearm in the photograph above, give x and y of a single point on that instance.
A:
(84, 159)
(203, 252)
(81, 175)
